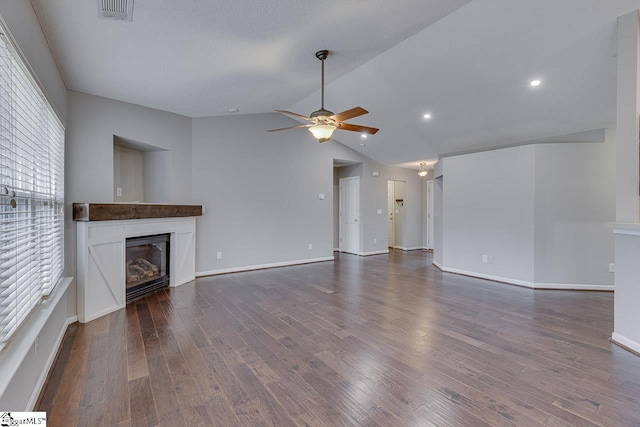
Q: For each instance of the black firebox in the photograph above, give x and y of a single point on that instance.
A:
(147, 265)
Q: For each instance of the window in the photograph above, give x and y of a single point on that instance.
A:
(31, 193)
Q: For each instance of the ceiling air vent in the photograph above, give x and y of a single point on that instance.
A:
(115, 9)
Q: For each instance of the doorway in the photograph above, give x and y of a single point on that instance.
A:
(349, 215)
(395, 214)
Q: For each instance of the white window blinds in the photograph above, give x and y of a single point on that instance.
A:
(31, 193)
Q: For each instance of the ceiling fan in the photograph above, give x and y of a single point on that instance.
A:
(323, 122)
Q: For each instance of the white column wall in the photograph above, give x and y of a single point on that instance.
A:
(627, 231)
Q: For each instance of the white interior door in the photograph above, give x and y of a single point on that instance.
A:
(430, 210)
(391, 230)
(350, 215)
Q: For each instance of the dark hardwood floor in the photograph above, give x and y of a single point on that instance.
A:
(375, 341)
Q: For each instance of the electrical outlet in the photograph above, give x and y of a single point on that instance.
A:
(310, 247)
(119, 192)
(204, 209)
(612, 267)
(321, 196)
(485, 258)
(379, 211)
(375, 241)
(219, 255)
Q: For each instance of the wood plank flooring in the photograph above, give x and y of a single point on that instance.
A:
(375, 341)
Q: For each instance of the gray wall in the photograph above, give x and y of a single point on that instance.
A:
(488, 209)
(128, 174)
(158, 170)
(574, 201)
(539, 212)
(261, 192)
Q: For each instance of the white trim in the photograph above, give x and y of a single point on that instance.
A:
(527, 284)
(412, 248)
(573, 287)
(47, 367)
(336, 249)
(17, 348)
(262, 266)
(618, 339)
(438, 265)
(510, 281)
(386, 251)
(632, 229)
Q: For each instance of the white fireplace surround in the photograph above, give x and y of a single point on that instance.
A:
(101, 259)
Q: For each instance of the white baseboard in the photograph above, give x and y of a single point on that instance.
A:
(182, 282)
(45, 370)
(527, 284)
(385, 251)
(625, 343)
(574, 287)
(437, 264)
(508, 280)
(411, 248)
(262, 266)
(336, 249)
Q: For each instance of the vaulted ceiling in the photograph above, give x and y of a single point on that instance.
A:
(466, 63)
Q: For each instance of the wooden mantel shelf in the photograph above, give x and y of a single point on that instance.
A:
(122, 211)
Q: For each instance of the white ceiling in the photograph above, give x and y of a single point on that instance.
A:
(468, 63)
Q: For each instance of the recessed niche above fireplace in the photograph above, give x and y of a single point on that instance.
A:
(141, 172)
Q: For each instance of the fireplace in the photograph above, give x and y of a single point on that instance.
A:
(147, 265)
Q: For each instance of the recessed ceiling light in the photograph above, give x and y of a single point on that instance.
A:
(427, 116)
(364, 135)
(362, 144)
(233, 110)
(535, 82)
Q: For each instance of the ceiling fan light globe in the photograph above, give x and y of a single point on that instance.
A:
(322, 132)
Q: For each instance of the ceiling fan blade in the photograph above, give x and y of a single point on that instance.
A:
(358, 128)
(293, 114)
(290, 127)
(349, 114)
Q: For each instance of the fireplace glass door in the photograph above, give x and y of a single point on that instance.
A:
(147, 265)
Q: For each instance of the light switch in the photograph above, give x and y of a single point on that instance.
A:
(379, 211)
(321, 196)
(119, 192)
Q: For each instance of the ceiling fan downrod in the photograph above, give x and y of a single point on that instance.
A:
(322, 55)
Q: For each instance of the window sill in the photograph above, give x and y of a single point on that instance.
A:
(16, 349)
